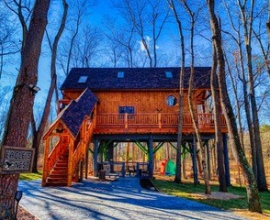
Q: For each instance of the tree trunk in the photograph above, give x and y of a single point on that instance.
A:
(254, 203)
(38, 134)
(268, 23)
(217, 120)
(22, 101)
(181, 93)
(257, 157)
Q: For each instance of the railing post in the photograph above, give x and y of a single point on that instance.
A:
(95, 160)
(70, 163)
(159, 120)
(126, 120)
(138, 169)
(123, 169)
(45, 164)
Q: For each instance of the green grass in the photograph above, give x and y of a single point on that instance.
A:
(187, 190)
(31, 176)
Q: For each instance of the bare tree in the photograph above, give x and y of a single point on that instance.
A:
(217, 119)
(148, 18)
(23, 10)
(254, 203)
(22, 101)
(191, 98)
(178, 175)
(258, 164)
(20, 111)
(5, 92)
(268, 23)
(38, 133)
(122, 43)
(78, 14)
(8, 43)
(86, 47)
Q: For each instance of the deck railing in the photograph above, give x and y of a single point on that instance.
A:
(155, 120)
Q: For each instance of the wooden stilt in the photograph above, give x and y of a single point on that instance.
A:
(150, 156)
(95, 164)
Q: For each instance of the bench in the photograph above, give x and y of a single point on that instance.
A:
(107, 169)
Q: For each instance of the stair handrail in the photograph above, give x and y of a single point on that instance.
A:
(56, 152)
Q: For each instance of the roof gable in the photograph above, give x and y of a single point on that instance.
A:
(74, 114)
(134, 78)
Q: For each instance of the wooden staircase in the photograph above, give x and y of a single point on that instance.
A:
(59, 173)
(65, 150)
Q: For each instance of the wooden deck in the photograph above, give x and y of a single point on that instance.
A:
(153, 123)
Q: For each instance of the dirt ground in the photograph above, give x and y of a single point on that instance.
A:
(227, 196)
(25, 215)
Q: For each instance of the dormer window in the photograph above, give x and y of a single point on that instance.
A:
(120, 74)
(168, 74)
(82, 79)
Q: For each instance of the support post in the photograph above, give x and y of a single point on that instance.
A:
(45, 162)
(70, 163)
(150, 156)
(123, 170)
(109, 155)
(86, 161)
(126, 120)
(159, 121)
(95, 165)
(226, 160)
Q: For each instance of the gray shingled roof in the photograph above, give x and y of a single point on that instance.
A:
(76, 111)
(134, 78)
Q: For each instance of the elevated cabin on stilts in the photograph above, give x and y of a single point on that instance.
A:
(104, 106)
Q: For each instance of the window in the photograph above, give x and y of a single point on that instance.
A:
(120, 75)
(168, 74)
(171, 100)
(130, 110)
(126, 109)
(82, 79)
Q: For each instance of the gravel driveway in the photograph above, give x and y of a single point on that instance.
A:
(111, 200)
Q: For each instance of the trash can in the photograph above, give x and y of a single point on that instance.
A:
(162, 166)
(170, 167)
(102, 174)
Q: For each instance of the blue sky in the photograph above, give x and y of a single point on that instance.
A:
(168, 43)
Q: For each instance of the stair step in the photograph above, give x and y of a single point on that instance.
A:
(56, 180)
(60, 165)
(58, 175)
(57, 184)
(60, 169)
(62, 161)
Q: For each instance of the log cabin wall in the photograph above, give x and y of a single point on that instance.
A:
(143, 101)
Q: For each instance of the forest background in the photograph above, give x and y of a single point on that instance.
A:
(142, 33)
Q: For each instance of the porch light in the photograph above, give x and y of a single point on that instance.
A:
(59, 128)
(18, 197)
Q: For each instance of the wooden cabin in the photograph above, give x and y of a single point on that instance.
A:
(107, 105)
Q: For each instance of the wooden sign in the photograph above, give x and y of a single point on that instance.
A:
(15, 159)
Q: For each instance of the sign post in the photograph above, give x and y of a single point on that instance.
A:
(15, 159)
(13, 162)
